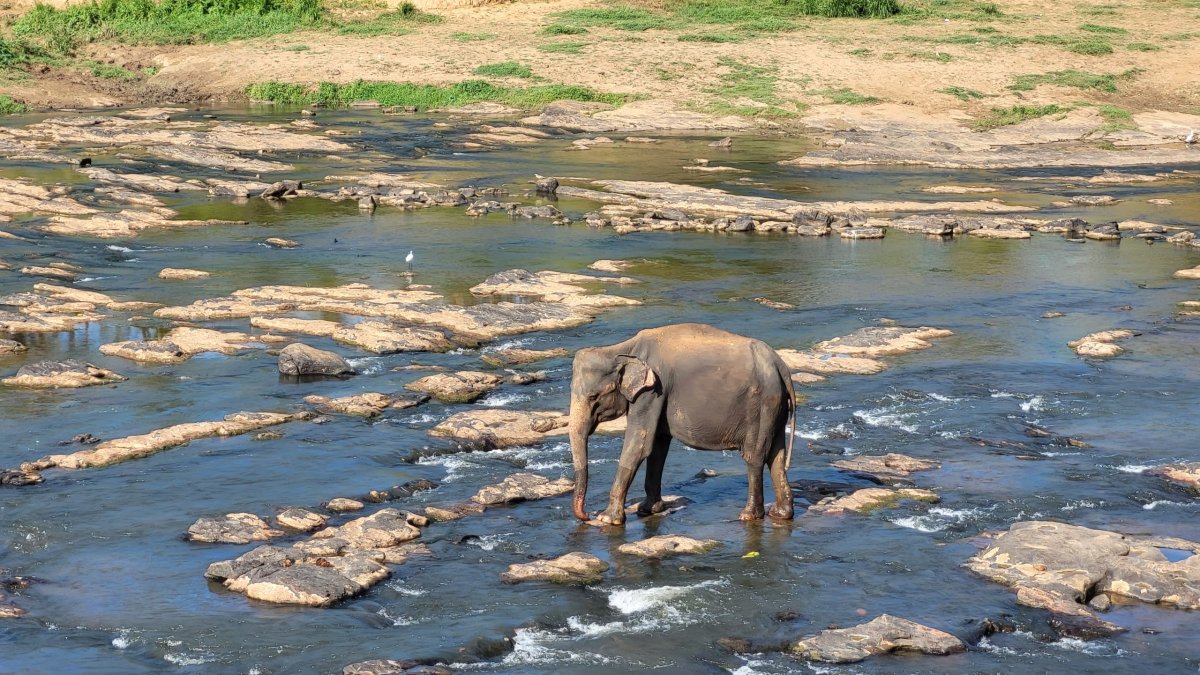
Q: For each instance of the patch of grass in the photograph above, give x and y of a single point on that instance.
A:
(399, 21)
(970, 10)
(425, 96)
(940, 57)
(1142, 47)
(563, 47)
(1099, 10)
(1066, 78)
(166, 22)
(962, 93)
(991, 39)
(1002, 117)
(1115, 118)
(296, 48)
(747, 82)
(711, 37)
(620, 18)
(107, 72)
(1180, 37)
(504, 69)
(11, 106)
(861, 52)
(563, 29)
(1090, 47)
(14, 53)
(846, 96)
(472, 37)
(1105, 30)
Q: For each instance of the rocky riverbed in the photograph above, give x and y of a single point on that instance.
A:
(993, 363)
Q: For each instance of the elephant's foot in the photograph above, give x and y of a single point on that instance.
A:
(751, 513)
(777, 513)
(606, 518)
(649, 508)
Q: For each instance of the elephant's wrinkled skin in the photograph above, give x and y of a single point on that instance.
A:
(711, 389)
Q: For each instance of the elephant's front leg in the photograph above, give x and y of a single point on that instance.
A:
(639, 442)
(653, 502)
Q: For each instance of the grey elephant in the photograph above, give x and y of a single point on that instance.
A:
(711, 389)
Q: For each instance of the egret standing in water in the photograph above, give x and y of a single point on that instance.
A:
(408, 259)
(1191, 137)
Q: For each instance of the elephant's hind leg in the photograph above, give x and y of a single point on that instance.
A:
(777, 460)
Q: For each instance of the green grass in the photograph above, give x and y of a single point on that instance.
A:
(940, 57)
(963, 93)
(399, 21)
(733, 16)
(846, 96)
(1066, 78)
(296, 48)
(563, 29)
(472, 37)
(425, 96)
(108, 72)
(14, 53)
(1179, 37)
(10, 106)
(1002, 117)
(969, 10)
(620, 18)
(712, 37)
(1106, 30)
(1142, 47)
(862, 52)
(563, 47)
(745, 81)
(1090, 47)
(1115, 118)
(1099, 10)
(504, 69)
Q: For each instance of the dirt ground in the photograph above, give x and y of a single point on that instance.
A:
(883, 59)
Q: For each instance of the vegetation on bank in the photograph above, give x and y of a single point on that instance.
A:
(1002, 117)
(10, 106)
(425, 96)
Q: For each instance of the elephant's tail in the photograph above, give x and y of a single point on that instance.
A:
(785, 374)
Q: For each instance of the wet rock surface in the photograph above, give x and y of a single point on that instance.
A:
(61, 374)
(181, 344)
(1101, 344)
(378, 337)
(300, 359)
(572, 568)
(369, 404)
(1061, 567)
(464, 386)
(393, 667)
(11, 347)
(234, 528)
(520, 487)
(830, 364)
(882, 341)
(867, 500)
(882, 635)
(888, 468)
(664, 546)
(300, 520)
(515, 356)
(182, 273)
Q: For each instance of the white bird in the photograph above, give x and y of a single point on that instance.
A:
(408, 259)
(1191, 137)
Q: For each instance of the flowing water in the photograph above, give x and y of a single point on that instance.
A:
(122, 592)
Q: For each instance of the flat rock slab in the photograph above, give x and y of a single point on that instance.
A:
(1101, 344)
(500, 428)
(572, 568)
(233, 528)
(882, 635)
(393, 667)
(182, 344)
(369, 404)
(11, 347)
(613, 266)
(551, 286)
(646, 115)
(664, 546)
(830, 364)
(301, 359)
(182, 273)
(1185, 474)
(515, 356)
(136, 447)
(61, 374)
(383, 529)
(877, 341)
(1190, 273)
(520, 487)
(342, 504)
(1000, 233)
(464, 386)
(890, 467)
(870, 499)
(1056, 566)
(378, 337)
(300, 520)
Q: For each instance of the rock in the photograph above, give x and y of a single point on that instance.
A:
(280, 242)
(1058, 567)
(342, 504)
(281, 189)
(726, 142)
(1053, 315)
(182, 273)
(995, 233)
(1100, 345)
(500, 428)
(454, 512)
(52, 272)
(830, 364)
(546, 185)
(614, 266)
(526, 378)
(300, 359)
(1093, 200)
(1186, 474)
(862, 233)
(368, 404)
(941, 226)
(383, 529)
(20, 477)
(1160, 202)
(890, 468)
(1192, 273)
(180, 345)
(664, 546)
(550, 286)
(393, 667)
(61, 374)
(136, 447)
(882, 635)
(267, 436)
(9, 610)
(378, 337)
(515, 356)
(234, 528)
(870, 499)
(775, 304)
(14, 347)
(404, 491)
(572, 568)
(1104, 232)
(462, 387)
(301, 520)
(876, 341)
(521, 487)
(956, 189)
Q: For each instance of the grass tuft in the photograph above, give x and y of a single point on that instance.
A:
(563, 29)
(620, 18)
(1090, 47)
(472, 37)
(1002, 117)
(504, 69)
(711, 37)
(846, 96)
(108, 72)
(963, 93)
(1115, 118)
(1106, 30)
(399, 21)
(11, 106)
(563, 47)
(940, 57)
(424, 96)
(1070, 78)
(1142, 47)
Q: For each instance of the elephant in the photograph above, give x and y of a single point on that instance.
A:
(711, 389)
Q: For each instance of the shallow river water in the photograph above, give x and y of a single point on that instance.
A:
(122, 592)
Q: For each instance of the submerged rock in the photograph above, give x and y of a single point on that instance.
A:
(614, 266)
(572, 568)
(182, 273)
(870, 499)
(1186, 474)
(668, 545)
(876, 341)
(1100, 345)
(888, 468)
(882, 635)
(233, 528)
(393, 667)
(462, 387)
(65, 374)
(521, 487)
(300, 359)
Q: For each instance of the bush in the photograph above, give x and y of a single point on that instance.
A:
(424, 96)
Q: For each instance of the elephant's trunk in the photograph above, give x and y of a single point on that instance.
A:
(579, 432)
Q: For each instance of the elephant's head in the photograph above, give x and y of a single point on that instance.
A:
(603, 384)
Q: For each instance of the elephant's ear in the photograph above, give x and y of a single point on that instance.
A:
(636, 377)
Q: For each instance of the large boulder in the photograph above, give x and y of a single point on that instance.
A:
(1101, 344)
(515, 356)
(383, 529)
(884, 634)
(56, 374)
(464, 386)
(572, 568)
(300, 359)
